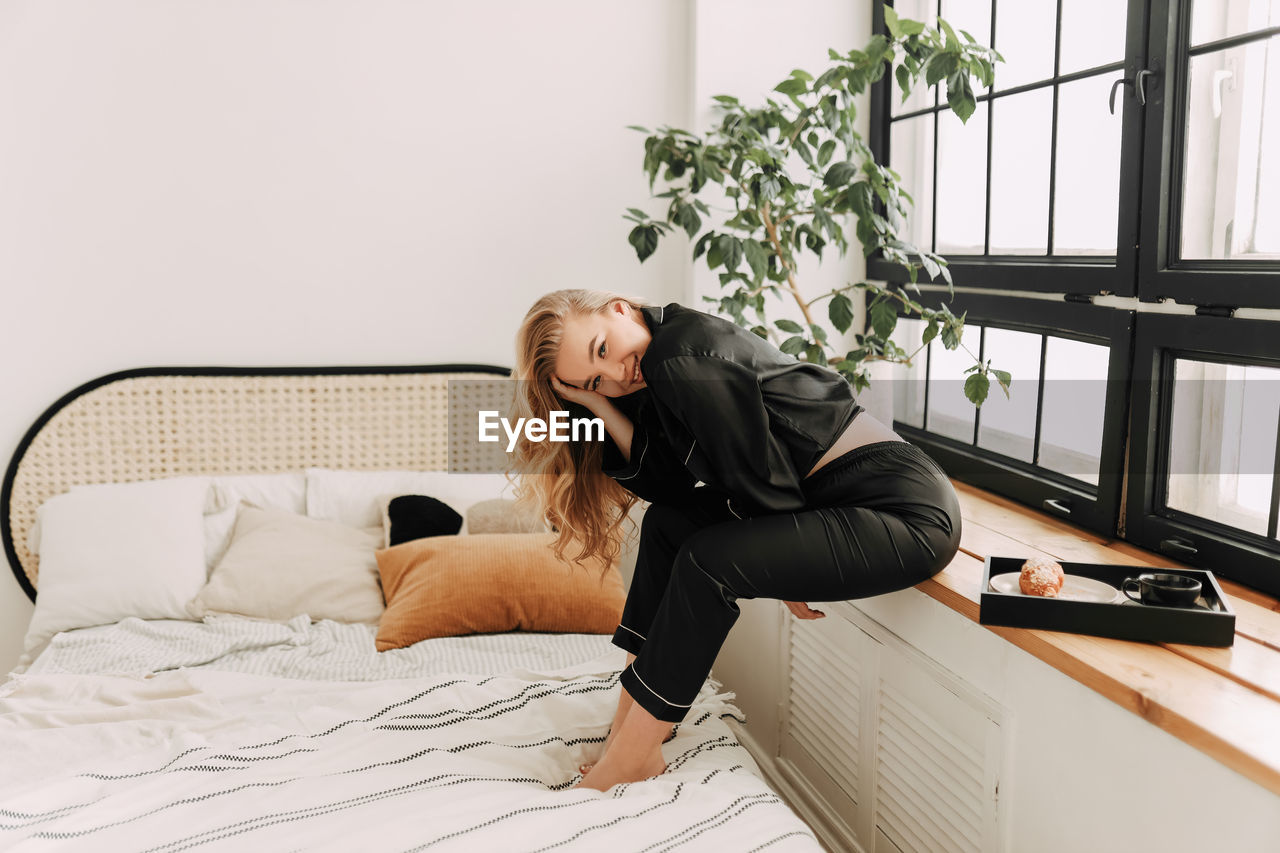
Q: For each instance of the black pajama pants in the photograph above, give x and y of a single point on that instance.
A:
(880, 518)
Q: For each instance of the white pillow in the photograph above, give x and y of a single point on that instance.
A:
(118, 549)
(353, 497)
(281, 564)
(287, 491)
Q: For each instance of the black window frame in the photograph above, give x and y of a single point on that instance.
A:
(1095, 508)
(1160, 339)
(1129, 502)
(1162, 274)
(1030, 273)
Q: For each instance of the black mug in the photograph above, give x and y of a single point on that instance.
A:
(1163, 589)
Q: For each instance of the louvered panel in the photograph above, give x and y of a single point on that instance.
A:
(931, 765)
(944, 817)
(824, 706)
(824, 731)
(915, 829)
(929, 731)
(817, 686)
(927, 754)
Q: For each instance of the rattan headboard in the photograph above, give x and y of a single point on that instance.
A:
(164, 422)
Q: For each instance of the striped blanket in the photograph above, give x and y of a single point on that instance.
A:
(202, 758)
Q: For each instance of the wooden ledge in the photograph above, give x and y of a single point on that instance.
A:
(1223, 701)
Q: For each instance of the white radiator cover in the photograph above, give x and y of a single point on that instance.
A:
(903, 755)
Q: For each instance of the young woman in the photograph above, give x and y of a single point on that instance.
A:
(765, 479)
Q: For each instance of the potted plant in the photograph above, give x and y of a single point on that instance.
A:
(795, 170)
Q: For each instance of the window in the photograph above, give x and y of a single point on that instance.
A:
(1111, 214)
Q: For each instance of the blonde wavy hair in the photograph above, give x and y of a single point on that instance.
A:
(563, 481)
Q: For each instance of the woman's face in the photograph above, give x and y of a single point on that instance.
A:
(602, 352)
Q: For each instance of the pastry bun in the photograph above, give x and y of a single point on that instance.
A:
(1041, 576)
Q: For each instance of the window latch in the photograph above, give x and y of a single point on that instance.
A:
(1139, 85)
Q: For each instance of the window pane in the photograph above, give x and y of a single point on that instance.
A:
(1215, 19)
(972, 16)
(1024, 37)
(1092, 33)
(1008, 425)
(909, 382)
(1087, 178)
(1223, 442)
(950, 412)
(1231, 185)
(922, 96)
(962, 182)
(1020, 129)
(1075, 386)
(911, 156)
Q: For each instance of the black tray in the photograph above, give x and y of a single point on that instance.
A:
(1210, 622)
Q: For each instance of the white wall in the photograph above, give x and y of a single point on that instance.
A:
(307, 182)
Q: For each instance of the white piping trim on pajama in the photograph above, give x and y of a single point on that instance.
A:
(637, 633)
(728, 502)
(690, 453)
(640, 461)
(656, 693)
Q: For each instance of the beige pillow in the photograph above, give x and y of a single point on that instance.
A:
(445, 586)
(501, 515)
(281, 564)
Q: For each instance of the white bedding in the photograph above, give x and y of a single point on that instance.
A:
(170, 756)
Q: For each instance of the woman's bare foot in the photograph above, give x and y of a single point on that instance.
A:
(585, 768)
(634, 754)
(609, 772)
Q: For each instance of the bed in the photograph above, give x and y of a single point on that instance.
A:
(160, 731)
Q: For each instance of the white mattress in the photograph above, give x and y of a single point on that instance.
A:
(238, 735)
(326, 650)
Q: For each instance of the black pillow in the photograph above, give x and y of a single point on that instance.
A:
(418, 516)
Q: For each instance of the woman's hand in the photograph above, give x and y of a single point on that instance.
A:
(803, 611)
(592, 400)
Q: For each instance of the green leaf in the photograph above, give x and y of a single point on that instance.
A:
(840, 174)
(814, 355)
(792, 86)
(825, 151)
(840, 312)
(701, 246)
(637, 127)
(1005, 378)
(883, 317)
(687, 218)
(976, 388)
(789, 326)
(760, 331)
(731, 250)
(769, 188)
(715, 257)
(793, 345)
(904, 80)
(727, 100)
(637, 212)
(757, 258)
(645, 240)
(910, 27)
(960, 96)
(819, 333)
(891, 22)
(930, 332)
(950, 337)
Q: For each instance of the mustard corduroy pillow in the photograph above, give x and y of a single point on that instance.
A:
(445, 586)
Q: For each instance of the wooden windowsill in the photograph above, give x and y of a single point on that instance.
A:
(1223, 701)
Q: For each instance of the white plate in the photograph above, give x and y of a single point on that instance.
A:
(1074, 588)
